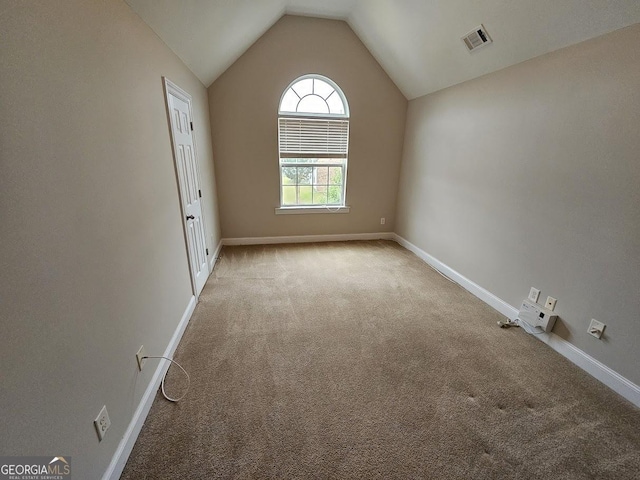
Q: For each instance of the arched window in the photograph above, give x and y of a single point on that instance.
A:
(313, 138)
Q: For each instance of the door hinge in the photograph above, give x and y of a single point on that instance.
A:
(191, 126)
(200, 193)
(207, 251)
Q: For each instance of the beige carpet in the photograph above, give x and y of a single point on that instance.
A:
(356, 360)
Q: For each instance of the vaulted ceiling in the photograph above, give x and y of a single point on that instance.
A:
(417, 42)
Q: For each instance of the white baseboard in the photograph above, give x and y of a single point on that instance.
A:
(212, 260)
(606, 375)
(129, 439)
(308, 238)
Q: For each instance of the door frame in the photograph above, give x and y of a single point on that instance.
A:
(171, 88)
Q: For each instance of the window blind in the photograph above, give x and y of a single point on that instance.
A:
(313, 138)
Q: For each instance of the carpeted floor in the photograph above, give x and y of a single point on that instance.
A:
(356, 360)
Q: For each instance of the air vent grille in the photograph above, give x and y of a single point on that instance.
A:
(476, 38)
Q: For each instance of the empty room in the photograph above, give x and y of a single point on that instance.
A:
(320, 239)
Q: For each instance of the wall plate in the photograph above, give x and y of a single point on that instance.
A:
(534, 294)
(596, 328)
(551, 303)
(139, 357)
(102, 422)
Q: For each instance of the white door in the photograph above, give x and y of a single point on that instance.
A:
(184, 154)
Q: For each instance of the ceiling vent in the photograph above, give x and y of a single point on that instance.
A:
(476, 38)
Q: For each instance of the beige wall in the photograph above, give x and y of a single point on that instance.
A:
(92, 249)
(530, 177)
(244, 104)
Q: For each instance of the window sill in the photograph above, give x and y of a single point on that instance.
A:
(315, 209)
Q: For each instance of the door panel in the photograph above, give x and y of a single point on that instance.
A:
(189, 184)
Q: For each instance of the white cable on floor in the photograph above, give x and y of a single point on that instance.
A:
(442, 274)
(165, 376)
(522, 323)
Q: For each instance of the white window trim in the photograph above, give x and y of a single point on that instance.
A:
(312, 209)
(327, 80)
(315, 209)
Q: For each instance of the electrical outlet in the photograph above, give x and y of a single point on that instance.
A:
(534, 293)
(551, 303)
(383, 220)
(102, 422)
(139, 357)
(596, 328)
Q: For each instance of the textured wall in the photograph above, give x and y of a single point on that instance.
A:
(529, 177)
(92, 248)
(244, 105)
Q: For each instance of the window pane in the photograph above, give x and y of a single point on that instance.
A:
(288, 195)
(289, 102)
(305, 195)
(313, 104)
(320, 195)
(304, 175)
(335, 104)
(288, 175)
(304, 87)
(321, 175)
(335, 176)
(335, 195)
(322, 88)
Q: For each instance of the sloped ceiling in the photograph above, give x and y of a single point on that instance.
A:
(417, 42)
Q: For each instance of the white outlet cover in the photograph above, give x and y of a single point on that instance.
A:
(551, 303)
(534, 293)
(102, 422)
(596, 328)
(141, 361)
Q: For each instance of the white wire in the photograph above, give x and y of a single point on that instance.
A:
(508, 323)
(442, 274)
(522, 323)
(165, 376)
